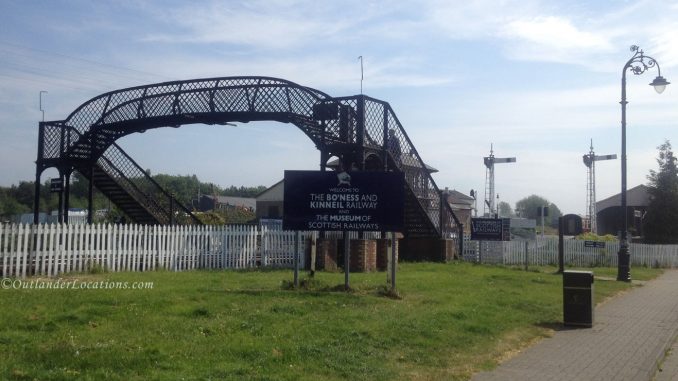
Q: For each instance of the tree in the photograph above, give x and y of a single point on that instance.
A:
(19, 198)
(24, 193)
(505, 209)
(528, 207)
(9, 206)
(660, 224)
(554, 213)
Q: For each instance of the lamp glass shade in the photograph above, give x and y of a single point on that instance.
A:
(659, 84)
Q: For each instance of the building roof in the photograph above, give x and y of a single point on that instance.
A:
(272, 193)
(458, 198)
(235, 201)
(636, 196)
(334, 164)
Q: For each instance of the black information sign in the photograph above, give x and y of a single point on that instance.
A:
(346, 201)
(56, 185)
(491, 229)
(596, 244)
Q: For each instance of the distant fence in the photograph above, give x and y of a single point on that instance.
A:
(44, 218)
(53, 249)
(544, 251)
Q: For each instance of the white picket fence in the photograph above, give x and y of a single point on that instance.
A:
(53, 249)
(544, 251)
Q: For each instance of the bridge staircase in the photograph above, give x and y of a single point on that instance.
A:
(365, 128)
(123, 181)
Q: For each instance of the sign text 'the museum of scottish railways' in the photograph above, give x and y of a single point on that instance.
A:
(346, 201)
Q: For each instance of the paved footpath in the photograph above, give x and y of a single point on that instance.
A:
(630, 337)
(669, 368)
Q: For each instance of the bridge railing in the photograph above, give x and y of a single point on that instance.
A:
(198, 96)
(67, 145)
(372, 123)
(154, 198)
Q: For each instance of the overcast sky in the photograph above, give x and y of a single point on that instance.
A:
(537, 79)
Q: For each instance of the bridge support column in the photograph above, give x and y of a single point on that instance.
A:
(36, 198)
(427, 249)
(60, 214)
(67, 195)
(90, 196)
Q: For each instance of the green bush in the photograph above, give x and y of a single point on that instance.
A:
(595, 237)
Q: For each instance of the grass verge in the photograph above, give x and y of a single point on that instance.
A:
(447, 322)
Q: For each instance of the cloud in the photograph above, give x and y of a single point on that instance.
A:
(326, 72)
(664, 45)
(545, 31)
(554, 38)
(595, 40)
(473, 20)
(256, 24)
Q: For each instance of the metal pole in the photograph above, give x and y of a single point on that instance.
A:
(527, 258)
(67, 196)
(389, 244)
(314, 253)
(638, 65)
(623, 256)
(561, 246)
(296, 259)
(347, 262)
(90, 196)
(393, 261)
(38, 171)
(361, 73)
(41, 110)
(36, 198)
(542, 221)
(61, 199)
(461, 241)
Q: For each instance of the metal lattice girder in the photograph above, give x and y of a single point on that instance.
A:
(350, 127)
(204, 96)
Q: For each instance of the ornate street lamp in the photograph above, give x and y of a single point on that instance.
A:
(638, 64)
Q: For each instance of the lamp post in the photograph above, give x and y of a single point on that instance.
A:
(637, 64)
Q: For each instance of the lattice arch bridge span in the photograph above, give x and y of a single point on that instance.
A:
(363, 132)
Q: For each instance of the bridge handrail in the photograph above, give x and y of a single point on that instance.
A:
(95, 109)
(378, 119)
(170, 201)
(115, 154)
(409, 157)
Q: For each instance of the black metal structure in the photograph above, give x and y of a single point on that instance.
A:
(363, 132)
(638, 64)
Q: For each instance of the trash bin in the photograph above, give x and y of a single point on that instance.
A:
(578, 298)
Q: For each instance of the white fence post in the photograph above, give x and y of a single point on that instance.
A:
(53, 249)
